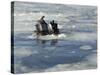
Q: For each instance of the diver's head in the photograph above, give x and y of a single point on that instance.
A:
(53, 21)
(42, 17)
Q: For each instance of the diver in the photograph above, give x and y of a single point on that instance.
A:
(44, 26)
(54, 27)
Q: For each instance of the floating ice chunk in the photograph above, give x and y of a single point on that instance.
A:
(32, 36)
(85, 47)
(50, 37)
(72, 52)
(62, 36)
(22, 52)
(35, 52)
(90, 63)
(46, 56)
(94, 51)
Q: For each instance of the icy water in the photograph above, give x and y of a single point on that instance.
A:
(74, 49)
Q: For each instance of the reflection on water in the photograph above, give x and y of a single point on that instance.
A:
(52, 42)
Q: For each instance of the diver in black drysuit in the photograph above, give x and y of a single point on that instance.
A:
(44, 26)
(54, 27)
